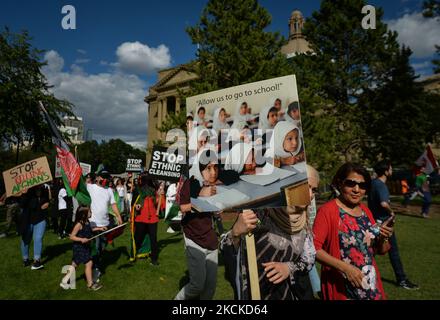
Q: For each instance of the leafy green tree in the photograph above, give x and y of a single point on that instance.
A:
(88, 152)
(114, 154)
(431, 9)
(348, 60)
(397, 114)
(234, 47)
(22, 85)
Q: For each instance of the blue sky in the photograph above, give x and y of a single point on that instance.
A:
(106, 65)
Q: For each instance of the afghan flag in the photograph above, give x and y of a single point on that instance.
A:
(427, 160)
(71, 171)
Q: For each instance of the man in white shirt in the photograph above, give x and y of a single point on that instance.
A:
(65, 213)
(102, 198)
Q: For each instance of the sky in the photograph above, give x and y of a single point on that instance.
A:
(106, 65)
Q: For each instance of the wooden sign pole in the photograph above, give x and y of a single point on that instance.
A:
(253, 268)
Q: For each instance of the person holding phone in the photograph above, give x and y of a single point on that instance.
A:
(347, 238)
(379, 204)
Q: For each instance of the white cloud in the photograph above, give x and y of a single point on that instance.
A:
(139, 58)
(419, 33)
(112, 104)
(82, 61)
(55, 62)
(81, 51)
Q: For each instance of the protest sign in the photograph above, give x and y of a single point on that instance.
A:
(57, 167)
(254, 130)
(86, 168)
(166, 165)
(134, 165)
(26, 175)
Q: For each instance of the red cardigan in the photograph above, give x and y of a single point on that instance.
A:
(148, 212)
(326, 237)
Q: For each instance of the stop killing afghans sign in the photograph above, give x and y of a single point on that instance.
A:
(166, 165)
(26, 175)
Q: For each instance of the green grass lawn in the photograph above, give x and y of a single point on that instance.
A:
(418, 240)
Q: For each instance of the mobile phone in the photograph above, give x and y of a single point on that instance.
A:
(390, 221)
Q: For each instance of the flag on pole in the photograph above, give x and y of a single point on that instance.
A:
(427, 160)
(71, 171)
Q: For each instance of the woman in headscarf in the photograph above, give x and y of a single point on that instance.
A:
(219, 122)
(189, 123)
(276, 102)
(200, 118)
(293, 113)
(205, 174)
(285, 146)
(241, 159)
(268, 118)
(199, 138)
(284, 249)
(241, 117)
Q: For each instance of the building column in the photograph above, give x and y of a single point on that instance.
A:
(177, 104)
(164, 110)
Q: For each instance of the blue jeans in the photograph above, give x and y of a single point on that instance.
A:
(427, 198)
(396, 263)
(394, 256)
(314, 280)
(37, 231)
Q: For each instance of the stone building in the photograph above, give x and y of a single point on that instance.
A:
(163, 99)
(74, 127)
(296, 44)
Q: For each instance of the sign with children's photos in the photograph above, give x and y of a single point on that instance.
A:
(245, 145)
(166, 164)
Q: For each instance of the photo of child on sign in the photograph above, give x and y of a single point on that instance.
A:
(245, 145)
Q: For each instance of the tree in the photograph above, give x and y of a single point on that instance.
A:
(114, 154)
(397, 114)
(234, 47)
(431, 9)
(22, 85)
(348, 61)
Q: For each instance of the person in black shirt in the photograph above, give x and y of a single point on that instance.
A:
(379, 204)
(35, 203)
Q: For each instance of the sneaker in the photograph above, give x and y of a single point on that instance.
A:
(96, 275)
(3, 235)
(65, 286)
(26, 263)
(425, 216)
(406, 284)
(95, 287)
(37, 265)
(154, 263)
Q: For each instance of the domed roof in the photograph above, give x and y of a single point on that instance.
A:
(296, 14)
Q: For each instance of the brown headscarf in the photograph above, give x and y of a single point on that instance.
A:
(291, 219)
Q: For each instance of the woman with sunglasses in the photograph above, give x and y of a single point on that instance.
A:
(347, 238)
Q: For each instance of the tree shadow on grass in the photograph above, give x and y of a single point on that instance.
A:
(51, 252)
(111, 256)
(389, 281)
(165, 242)
(184, 280)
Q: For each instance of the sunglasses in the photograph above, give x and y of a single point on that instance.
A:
(351, 184)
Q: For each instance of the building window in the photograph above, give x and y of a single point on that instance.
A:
(171, 105)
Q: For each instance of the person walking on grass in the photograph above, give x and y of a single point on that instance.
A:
(102, 198)
(379, 205)
(81, 233)
(35, 202)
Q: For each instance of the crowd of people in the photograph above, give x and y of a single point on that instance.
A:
(343, 236)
